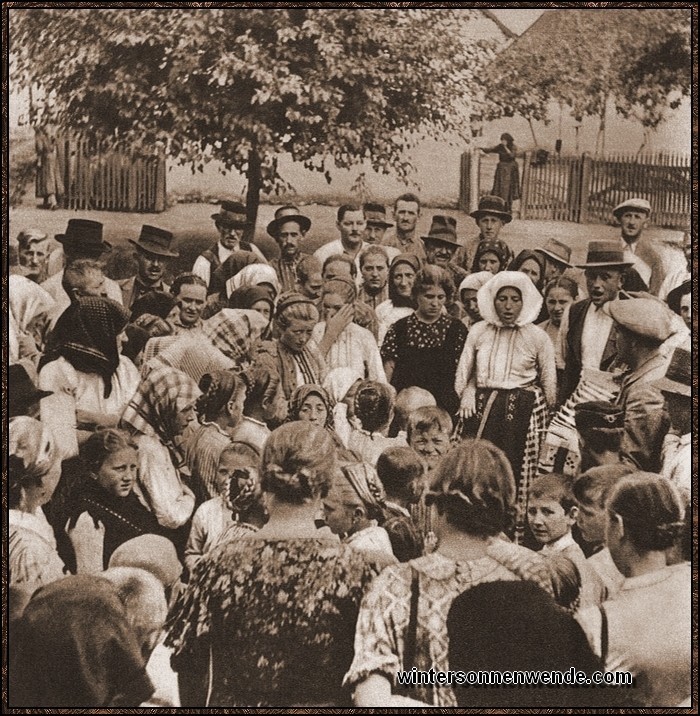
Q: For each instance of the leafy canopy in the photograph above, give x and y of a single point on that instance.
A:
(244, 85)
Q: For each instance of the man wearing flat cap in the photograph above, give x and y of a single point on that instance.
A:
(231, 222)
(288, 229)
(153, 251)
(676, 387)
(633, 215)
(587, 337)
(643, 325)
(600, 426)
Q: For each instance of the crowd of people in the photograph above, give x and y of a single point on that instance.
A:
(281, 481)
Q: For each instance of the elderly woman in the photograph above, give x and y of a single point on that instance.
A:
(268, 620)
(645, 628)
(157, 415)
(467, 295)
(403, 617)
(400, 304)
(343, 343)
(424, 348)
(296, 362)
(91, 382)
(507, 376)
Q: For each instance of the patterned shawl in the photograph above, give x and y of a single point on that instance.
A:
(89, 330)
(301, 394)
(234, 332)
(160, 397)
(192, 354)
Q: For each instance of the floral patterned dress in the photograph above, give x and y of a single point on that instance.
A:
(272, 621)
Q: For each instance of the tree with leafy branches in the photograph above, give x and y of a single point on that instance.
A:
(328, 86)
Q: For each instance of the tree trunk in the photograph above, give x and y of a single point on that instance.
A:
(252, 199)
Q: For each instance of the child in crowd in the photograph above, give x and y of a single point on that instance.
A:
(237, 486)
(551, 514)
(400, 472)
(590, 491)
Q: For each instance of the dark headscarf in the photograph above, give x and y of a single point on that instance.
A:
(89, 336)
(402, 301)
(155, 303)
(248, 296)
(301, 394)
(498, 247)
(538, 258)
(73, 647)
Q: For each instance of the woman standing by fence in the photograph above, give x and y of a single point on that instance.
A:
(506, 183)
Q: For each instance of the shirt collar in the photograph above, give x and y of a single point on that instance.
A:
(559, 545)
(648, 579)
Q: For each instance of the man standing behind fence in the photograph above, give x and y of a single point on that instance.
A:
(633, 215)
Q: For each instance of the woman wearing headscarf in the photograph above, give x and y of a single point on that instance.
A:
(91, 382)
(534, 265)
(400, 304)
(506, 376)
(255, 298)
(402, 622)
(311, 403)
(467, 295)
(75, 648)
(28, 318)
(33, 474)
(255, 275)
(156, 416)
(235, 332)
(296, 362)
(268, 619)
(491, 256)
(342, 343)
(645, 629)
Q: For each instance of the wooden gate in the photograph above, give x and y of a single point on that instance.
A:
(120, 179)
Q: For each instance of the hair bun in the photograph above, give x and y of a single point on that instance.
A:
(299, 481)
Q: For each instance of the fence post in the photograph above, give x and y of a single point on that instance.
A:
(159, 203)
(464, 176)
(525, 192)
(585, 189)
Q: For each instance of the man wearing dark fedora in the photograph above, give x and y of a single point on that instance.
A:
(288, 229)
(441, 245)
(491, 216)
(676, 387)
(82, 240)
(152, 254)
(231, 222)
(587, 337)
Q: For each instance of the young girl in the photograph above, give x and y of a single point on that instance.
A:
(237, 485)
(558, 294)
(110, 461)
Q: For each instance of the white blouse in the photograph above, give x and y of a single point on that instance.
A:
(74, 390)
(507, 358)
(355, 348)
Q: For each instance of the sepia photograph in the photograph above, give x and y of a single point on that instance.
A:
(349, 356)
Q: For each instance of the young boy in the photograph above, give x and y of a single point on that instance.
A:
(551, 514)
(590, 492)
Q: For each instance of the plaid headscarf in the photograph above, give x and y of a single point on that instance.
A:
(234, 332)
(301, 394)
(161, 395)
(89, 330)
(193, 355)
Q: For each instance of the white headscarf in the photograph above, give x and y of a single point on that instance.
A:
(27, 301)
(253, 275)
(475, 281)
(532, 299)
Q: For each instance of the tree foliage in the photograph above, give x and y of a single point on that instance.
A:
(582, 58)
(244, 85)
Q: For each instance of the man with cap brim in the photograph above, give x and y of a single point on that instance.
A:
(676, 387)
(491, 216)
(231, 222)
(154, 248)
(643, 325)
(23, 395)
(587, 336)
(375, 215)
(288, 229)
(441, 245)
(633, 216)
(600, 426)
(82, 240)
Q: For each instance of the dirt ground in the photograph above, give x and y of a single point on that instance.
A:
(194, 231)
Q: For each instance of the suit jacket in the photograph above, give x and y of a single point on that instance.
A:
(127, 287)
(572, 367)
(646, 419)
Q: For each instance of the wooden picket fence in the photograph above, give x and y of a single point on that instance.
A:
(121, 179)
(584, 189)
